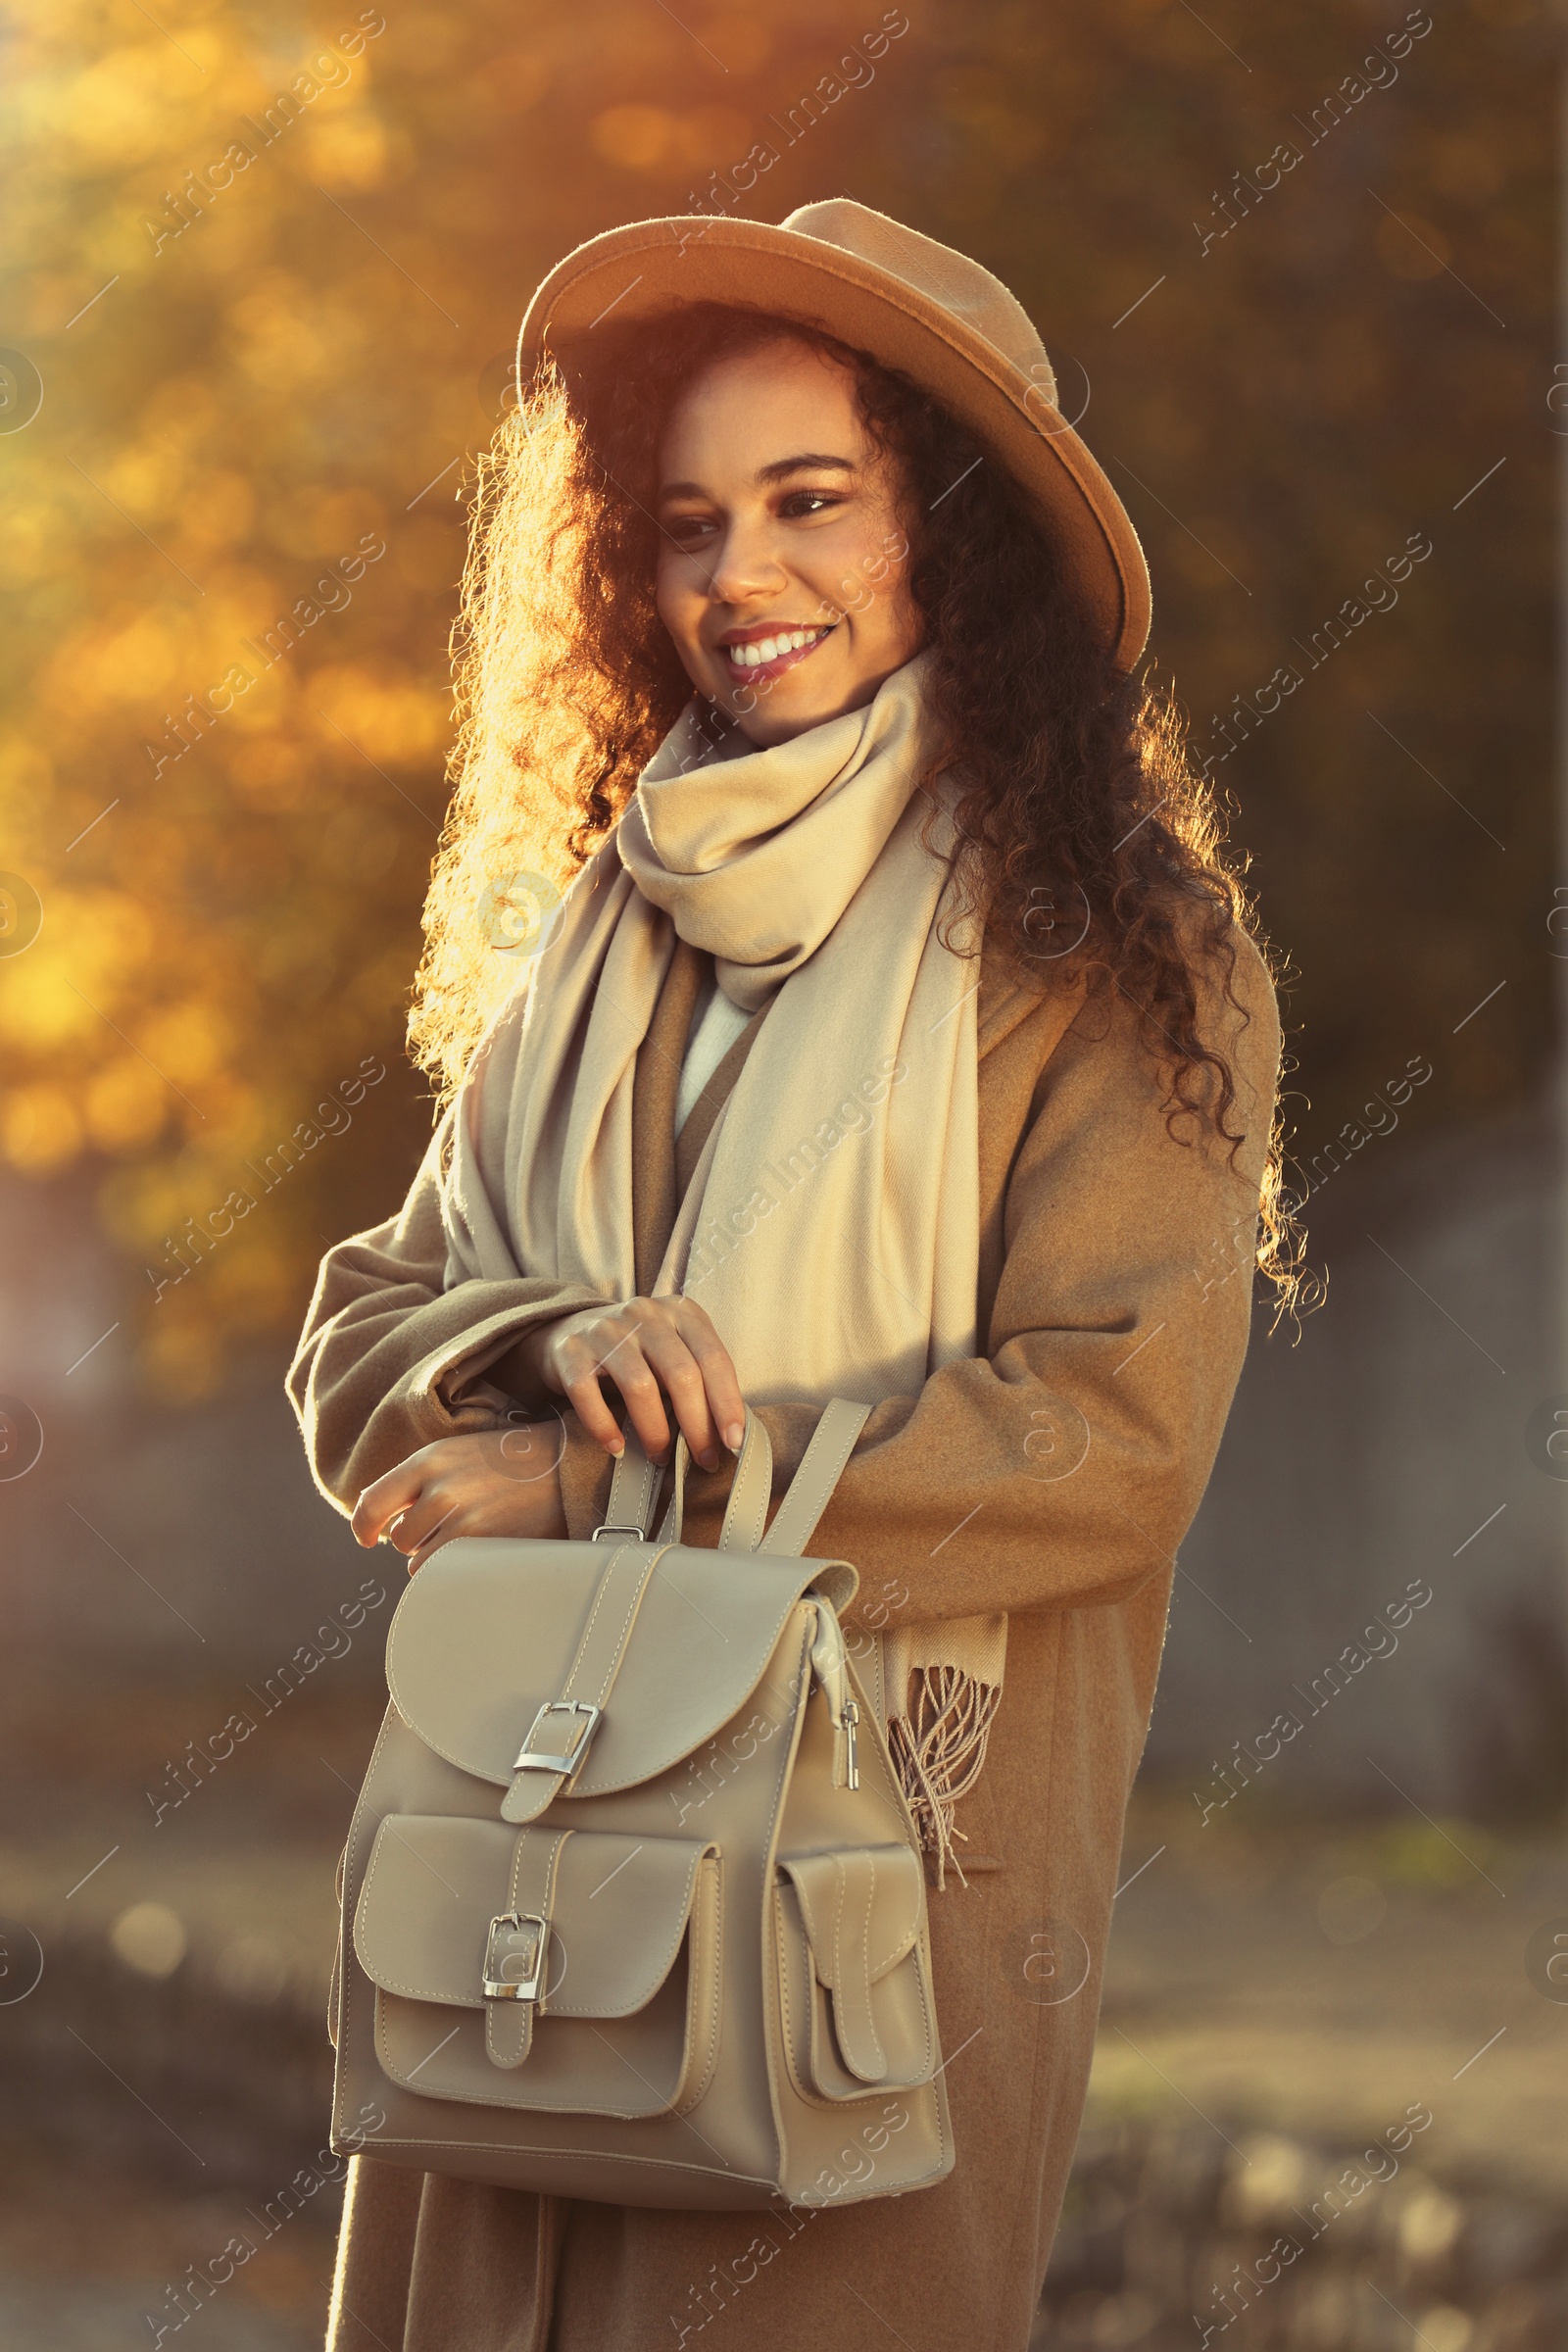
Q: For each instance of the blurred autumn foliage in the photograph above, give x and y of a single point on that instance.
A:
(267, 266)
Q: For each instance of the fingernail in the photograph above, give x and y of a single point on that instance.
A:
(617, 1445)
(734, 1435)
(712, 1459)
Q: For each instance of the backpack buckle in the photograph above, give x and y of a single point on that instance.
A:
(534, 1756)
(514, 1956)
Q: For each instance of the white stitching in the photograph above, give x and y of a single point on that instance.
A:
(905, 1942)
(587, 1786)
(783, 1940)
(509, 2013)
(416, 1993)
(489, 2098)
(750, 1466)
(870, 2012)
(813, 1939)
(617, 1653)
(656, 2164)
(827, 1477)
(565, 2009)
(642, 1501)
(687, 2099)
(841, 1990)
(765, 1495)
(619, 1650)
(523, 2017)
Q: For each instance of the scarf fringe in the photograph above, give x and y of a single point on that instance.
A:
(939, 1749)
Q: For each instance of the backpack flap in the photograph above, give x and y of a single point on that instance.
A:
(556, 1667)
(575, 1970)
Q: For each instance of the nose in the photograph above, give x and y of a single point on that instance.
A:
(744, 565)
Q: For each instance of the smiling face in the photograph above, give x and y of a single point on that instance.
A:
(783, 562)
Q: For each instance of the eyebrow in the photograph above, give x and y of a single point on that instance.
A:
(809, 462)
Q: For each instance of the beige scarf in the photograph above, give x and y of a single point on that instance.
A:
(832, 1226)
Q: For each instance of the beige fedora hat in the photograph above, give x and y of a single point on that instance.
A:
(912, 304)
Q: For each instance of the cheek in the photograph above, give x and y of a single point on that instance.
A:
(853, 569)
(677, 595)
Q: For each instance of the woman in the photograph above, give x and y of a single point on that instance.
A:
(902, 1038)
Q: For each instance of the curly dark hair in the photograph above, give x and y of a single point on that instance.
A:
(1085, 837)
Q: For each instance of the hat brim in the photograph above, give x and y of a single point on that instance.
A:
(650, 267)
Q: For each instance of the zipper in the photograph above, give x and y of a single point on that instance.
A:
(830, 1665)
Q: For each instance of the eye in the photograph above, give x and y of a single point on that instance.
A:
(686, 529)
(803, 502)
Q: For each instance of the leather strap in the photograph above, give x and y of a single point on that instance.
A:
(675, 1508)
(634, 1486)
(509, 2025)
(842, 1889)
(750, 1489)
(617, 1599)
(821, 1468)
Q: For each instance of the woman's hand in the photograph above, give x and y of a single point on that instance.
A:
(650, 1348)
(501, 1481)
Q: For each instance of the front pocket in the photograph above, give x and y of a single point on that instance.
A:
(626, 2019)
(853, 1978)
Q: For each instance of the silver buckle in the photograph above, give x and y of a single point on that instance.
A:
(534, 1757)
(514, 1956)
(639, 1535)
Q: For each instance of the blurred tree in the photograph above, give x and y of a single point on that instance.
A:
(268, 268)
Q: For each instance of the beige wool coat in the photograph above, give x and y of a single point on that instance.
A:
(1054, 1477)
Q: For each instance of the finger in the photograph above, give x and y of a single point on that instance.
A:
(441, 1533)
(419, 1523)
(579, 1367)
(644, 1399)
(720, 1380)
(678, 1369)
(379, 1505)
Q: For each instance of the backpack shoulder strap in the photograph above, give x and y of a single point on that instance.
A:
(821, 1468)
(634, 1486)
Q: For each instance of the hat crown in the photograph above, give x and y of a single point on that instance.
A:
(962, 287)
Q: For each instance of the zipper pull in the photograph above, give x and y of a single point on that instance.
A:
(852, 1716)
(830, 1666)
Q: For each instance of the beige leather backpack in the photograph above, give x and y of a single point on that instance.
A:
(633, 1905)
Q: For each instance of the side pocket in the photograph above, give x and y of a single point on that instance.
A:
(853, 1971)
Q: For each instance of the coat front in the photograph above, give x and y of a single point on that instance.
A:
(1052, 1477)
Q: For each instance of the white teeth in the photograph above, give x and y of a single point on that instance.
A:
(768, 649)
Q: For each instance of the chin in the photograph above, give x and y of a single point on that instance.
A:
(771, 723)
(786, 710)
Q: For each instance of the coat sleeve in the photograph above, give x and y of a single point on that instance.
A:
(1063, 1467)
(388, 1361)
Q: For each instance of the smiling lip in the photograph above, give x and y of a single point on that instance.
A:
(735, 644)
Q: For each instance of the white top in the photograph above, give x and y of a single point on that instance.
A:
(715, 1025)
